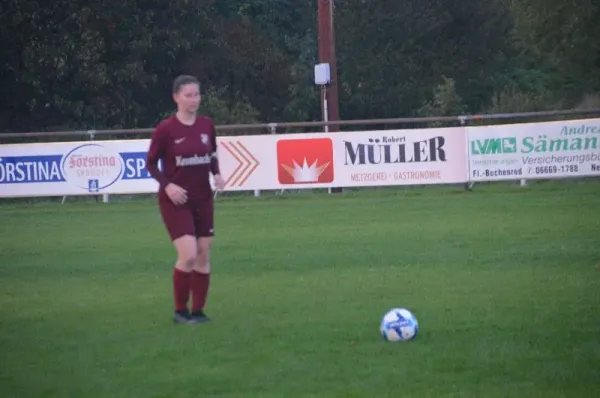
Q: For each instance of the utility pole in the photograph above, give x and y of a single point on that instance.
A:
(329, 95)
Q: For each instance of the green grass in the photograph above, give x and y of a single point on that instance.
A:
(504, 281)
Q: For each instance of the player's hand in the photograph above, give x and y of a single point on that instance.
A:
(219, 182)
(177, 194)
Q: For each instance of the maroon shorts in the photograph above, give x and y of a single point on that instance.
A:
(192, 218)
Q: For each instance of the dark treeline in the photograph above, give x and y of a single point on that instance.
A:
(74, 64)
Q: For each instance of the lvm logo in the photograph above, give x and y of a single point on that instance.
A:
(491, 146)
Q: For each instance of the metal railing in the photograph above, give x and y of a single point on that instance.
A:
(272, 128)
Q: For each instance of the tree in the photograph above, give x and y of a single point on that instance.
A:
(393, 54)
(562, 38)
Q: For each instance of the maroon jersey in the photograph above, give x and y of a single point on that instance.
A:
(188, 155)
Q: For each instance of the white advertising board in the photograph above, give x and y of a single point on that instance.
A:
(534, 150)
(390, 157)
(322, 160)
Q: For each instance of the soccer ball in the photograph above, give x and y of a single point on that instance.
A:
(399, 324)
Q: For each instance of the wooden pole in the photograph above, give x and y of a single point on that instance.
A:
(327, 55)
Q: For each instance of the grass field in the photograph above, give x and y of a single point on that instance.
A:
(505, 282)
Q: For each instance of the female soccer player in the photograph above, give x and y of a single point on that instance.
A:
(187, 146)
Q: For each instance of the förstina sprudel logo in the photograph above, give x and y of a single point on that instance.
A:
(92, 167)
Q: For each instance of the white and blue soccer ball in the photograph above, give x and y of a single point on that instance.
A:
(399, 324)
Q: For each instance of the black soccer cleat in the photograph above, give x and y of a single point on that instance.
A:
(199, 317)
(182, 317)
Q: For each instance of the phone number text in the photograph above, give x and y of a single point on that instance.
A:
(570, 168)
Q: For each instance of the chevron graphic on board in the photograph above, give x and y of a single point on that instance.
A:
(247, 163)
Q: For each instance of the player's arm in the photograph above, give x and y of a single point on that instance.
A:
(214, 161)
(156, 152)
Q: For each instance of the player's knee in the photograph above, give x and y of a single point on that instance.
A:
(188, 260)
(186, 252)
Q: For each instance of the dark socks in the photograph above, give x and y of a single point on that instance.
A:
(199, 287)
(181, 289)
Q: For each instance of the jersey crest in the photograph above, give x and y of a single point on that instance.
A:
(204, 138)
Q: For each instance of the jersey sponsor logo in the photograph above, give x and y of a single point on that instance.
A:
(305, 161)
(195, 160)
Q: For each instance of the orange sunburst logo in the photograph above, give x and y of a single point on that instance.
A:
(305, 161)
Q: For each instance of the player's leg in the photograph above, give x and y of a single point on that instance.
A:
(182, 275)
(201, 279)
(201, 272)
(179, 223)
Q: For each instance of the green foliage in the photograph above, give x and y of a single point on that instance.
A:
(110, 64)
(589, 101)
(562, 36)
(223, 112)
(446, 101)
(512, 100)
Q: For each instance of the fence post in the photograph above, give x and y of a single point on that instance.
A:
(105, 196)
(463, 122)
(273, 130)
